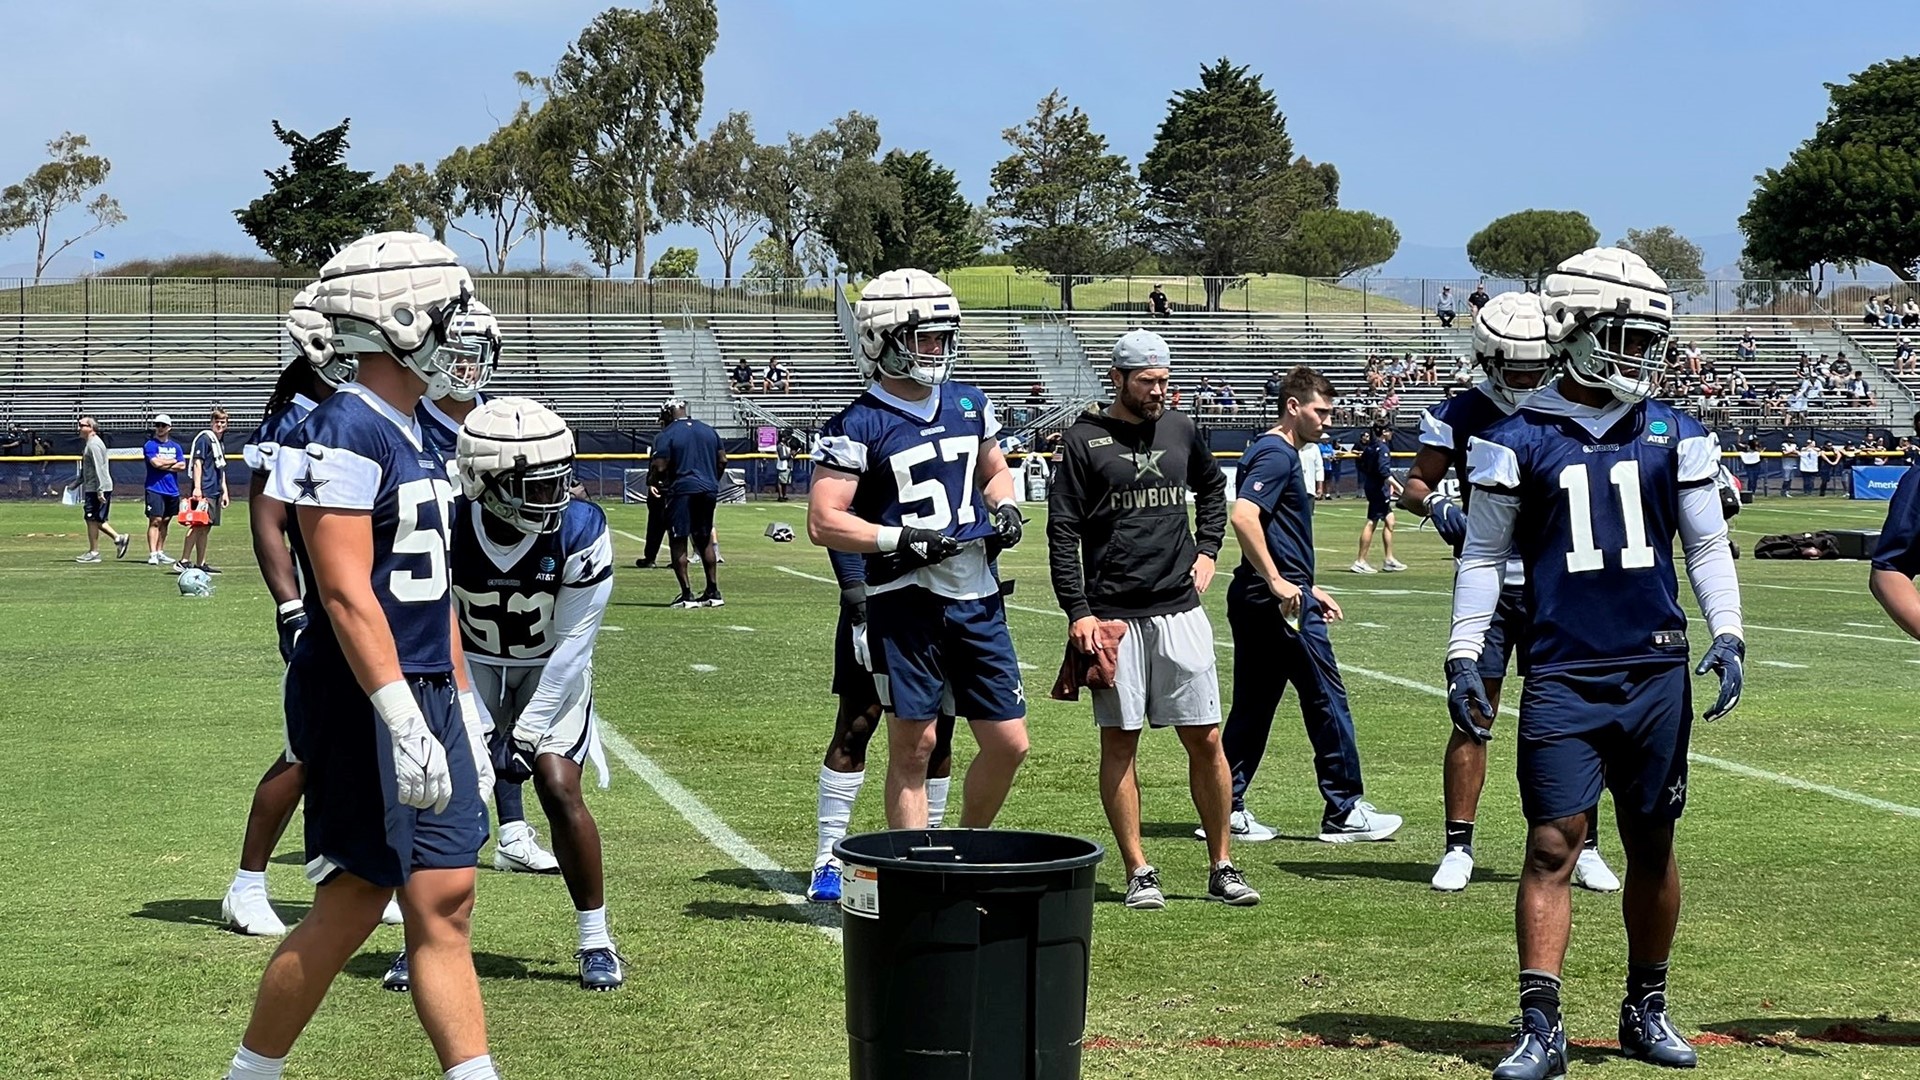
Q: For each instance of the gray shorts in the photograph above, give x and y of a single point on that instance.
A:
(505, 691)
(1166, 675)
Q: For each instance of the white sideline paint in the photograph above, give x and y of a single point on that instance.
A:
(1800, 588)
(688, 805)
(1719, 763)
(704, 669)
(1862, 625)
(1831, 633)
(1372, 625)
(636, 539)
(742, 629)
(1781, 664)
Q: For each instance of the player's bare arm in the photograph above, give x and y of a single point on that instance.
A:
(831, 522)
(1897, 596)
(1423, 479)
(268, 519)
(1245, 518)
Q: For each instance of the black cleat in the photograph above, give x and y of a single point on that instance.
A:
(1647, 1034)
(1539, 1052)
(645, 564)
(687, 601)
(396, 979)
(601, 969)
(712, 598)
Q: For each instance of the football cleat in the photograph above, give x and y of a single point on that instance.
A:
(601, 969)
(687, 602)
(524, 855)
(1591, 872)
(1647, 1034)
(205, 569)
(1454, 872)
(396, 979)
(825, 886)
(1539, 1051)
(1242, 826)
(1229, 886)
(248, 912)
(712, 598)
(390, 915)
(1363, 823)
(1143, 890)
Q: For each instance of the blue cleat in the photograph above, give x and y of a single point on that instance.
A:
(396, 978)
(825, 887)
(1539, 1051)
(1647, 1034)
(601, 969)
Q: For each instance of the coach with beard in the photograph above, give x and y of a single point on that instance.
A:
(1120, 549)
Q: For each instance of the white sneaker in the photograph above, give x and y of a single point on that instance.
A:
(1143, 890)
(391, 916)
(1363, 823)
(1242, 826)
(247, 911)
(1456, 869)
(1360, 566)
(523, 855)
(87, 557)
(154, 557)
(1393, 566)
(1591, 872)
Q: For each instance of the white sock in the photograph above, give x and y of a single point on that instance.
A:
(249, 881)
(248, 1065)
(513, 830)
(937, 801)
(838, 790)
(480, 1068)
(593, 929)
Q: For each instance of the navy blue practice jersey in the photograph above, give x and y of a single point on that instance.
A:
(440, 431)
(1270, 477)
(1453, 423)
(507, 595)
(1595, 527)
(916, 466)
(362, 454)
(263, 446)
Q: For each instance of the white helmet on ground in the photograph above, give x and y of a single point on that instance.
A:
(312, 337)
(909, 327)
(1608, 318)
(472, 350)
(1510, 343)
(515, 459)
(195, 582)
(396, 293)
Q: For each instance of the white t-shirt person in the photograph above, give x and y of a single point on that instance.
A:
(1809, 458)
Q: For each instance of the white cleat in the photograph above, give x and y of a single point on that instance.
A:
(1592, 873)
(1456, 870)
(391, 915)
(524, 855)
(1242, 826)
(1363, 823)
(248, 912)
(1362, 567)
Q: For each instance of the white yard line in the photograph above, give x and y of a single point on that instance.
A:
(1782, 664)
(704, 669)
(1830, 633)
(1802, 588)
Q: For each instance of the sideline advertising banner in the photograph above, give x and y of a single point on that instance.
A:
(1876, 481)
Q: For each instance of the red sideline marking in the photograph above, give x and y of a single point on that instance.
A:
(1838, 1033)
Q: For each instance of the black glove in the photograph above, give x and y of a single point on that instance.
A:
(853, 601)
(1006, 528)
(290, 624)
(922, 547)
(1466, 694)
(511, 761)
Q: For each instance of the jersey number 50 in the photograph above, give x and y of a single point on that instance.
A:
(933, 491)
(1586, 555)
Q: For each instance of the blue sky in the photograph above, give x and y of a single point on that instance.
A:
(1441, 116)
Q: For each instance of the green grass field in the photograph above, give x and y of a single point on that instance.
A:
(138, 722)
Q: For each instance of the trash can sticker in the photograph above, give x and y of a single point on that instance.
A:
(860, 891)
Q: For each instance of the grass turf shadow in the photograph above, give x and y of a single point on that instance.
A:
(1792, 1034)
(373, 964)
(193, 912)
(1482, 1044)
(1412, 872)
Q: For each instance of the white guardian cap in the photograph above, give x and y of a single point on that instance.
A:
(1510, 343)
(312, 337)
(909, 327)
(515, 459)
(397, 293)
(1608, 318)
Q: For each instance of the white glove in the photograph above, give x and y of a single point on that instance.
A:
(478, 723)
(861, 650)
(419, 761)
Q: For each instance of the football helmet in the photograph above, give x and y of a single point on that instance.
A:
(1510, 343)
(780, 532)
(312, 337)
(515, 459)
(472, 350)
(1608, 319)
(195, 582)
(909, 327)
(397, 293)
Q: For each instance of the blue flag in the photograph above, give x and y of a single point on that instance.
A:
(99, 254)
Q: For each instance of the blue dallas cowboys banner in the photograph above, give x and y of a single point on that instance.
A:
(1876, 481)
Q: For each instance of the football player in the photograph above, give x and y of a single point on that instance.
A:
(1510, 345)
(377, 705)
(532, 570)
(1588, 484)
(897, 479)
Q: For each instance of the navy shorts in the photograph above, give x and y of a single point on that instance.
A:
(356, 823)
(924, 644)
(690, 515)
(852, 683)
(1379, 504)
(95, 506)
(1506, 635)
(1622, 728)
(162, 506)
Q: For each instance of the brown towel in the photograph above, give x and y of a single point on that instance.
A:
(1095, 670)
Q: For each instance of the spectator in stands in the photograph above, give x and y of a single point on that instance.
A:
(1157, 302)
(1270, 390)
(742, 377)
(1225, 394)
(1389, 406)
(1909, 451)
(779, 376)
(1889, 313)
(1842, 366)
(1746, 350)
(1737, 382)
(1376, 372)
(1430, 370)
(207, 470)
(1910, 313)
(1173, 396)
(1871, 316)
(1443, 308)
(783, 449)
(95, 481)
(1903, 362)
(1809, 462)
(166, 460)
(1477, 299)
(1789, 465)
(1204, 397)
(1749, 397)
(1690, 355)
(1858, 390)
(1037, 396)
(1462, 372)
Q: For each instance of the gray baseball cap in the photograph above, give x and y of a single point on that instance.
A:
(1139, 350)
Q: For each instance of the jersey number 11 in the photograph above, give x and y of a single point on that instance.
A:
(1586, 555)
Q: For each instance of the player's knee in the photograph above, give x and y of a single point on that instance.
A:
(1552, 846)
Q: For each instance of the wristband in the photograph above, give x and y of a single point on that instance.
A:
(394, 702)
(290, 607)
(889, 538)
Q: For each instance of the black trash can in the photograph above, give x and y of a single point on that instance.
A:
(966, 953)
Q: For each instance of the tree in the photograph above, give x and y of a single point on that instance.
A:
(706, 186)
(315, 204)
(624, 98)
(771, 260)
(418, 194)
(1336, 243)
(1672, 256)
(1062, 203)
(936, 227)
(1850, 193)
(676, 262)
(1763, 284)
(495, 182)
(1220, 183)
(823, 196)
(1530, 243)
(63, 182)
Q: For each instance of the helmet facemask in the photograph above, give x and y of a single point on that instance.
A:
(924, 350)
(1622, 353)
(469, 357)
(446, 373)
(1515, 379)
(531, 498)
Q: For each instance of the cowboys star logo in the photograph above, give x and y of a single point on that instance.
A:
(309, 486)
(1678, 792)
(1020, 693)
(1146, 463)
